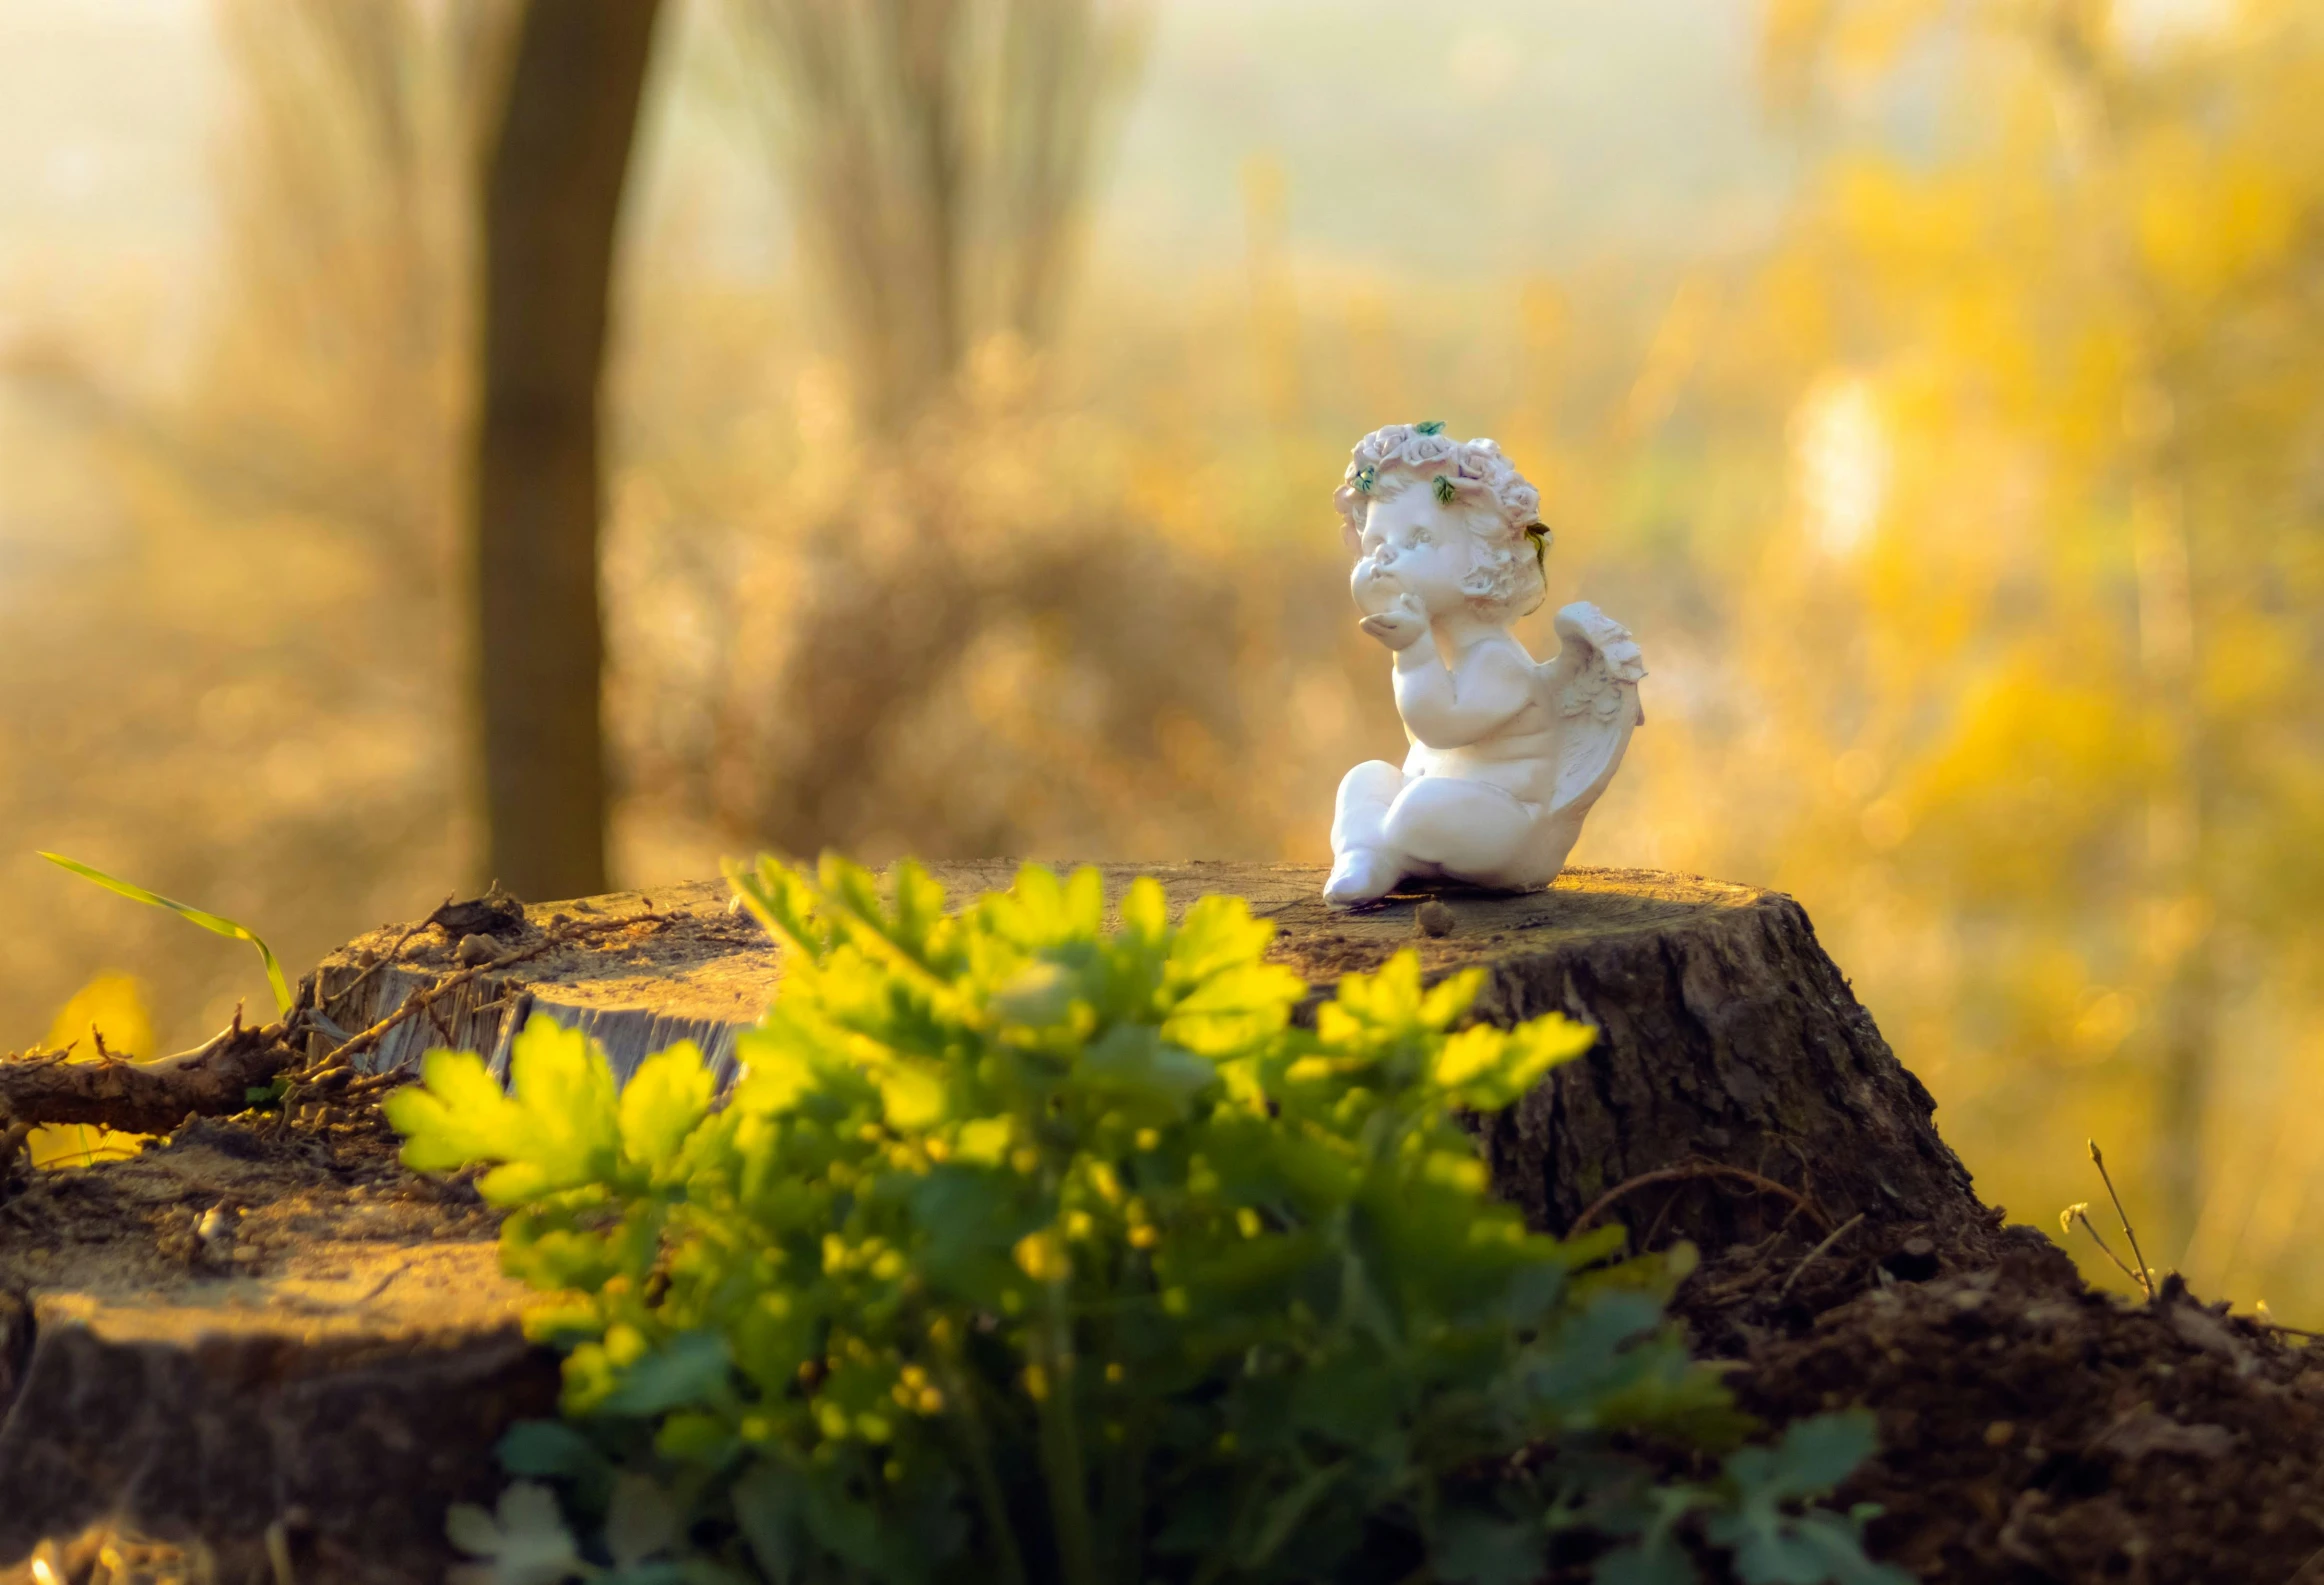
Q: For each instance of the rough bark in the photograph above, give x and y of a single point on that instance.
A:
(552, 200)
(1727, 1037)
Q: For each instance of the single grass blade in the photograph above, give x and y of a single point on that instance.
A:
(216, 924)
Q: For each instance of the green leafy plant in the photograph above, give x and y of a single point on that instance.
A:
(216, 924)
(1028, 1250)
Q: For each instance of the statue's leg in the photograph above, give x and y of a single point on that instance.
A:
(1469, 829)
(1364, 866)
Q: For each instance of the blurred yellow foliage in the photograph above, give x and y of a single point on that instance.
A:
(108, 1015)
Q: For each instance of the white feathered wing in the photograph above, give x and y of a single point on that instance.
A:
(1591, 691)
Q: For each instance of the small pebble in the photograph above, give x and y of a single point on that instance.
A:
(1433, 918)
(1998, 1433)
(477, 949)
(217, 1224)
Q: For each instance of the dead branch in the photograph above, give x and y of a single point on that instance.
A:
(214, 1078)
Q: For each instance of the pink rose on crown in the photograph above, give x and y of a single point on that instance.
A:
(1422, 450)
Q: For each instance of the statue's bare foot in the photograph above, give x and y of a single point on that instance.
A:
(1361, 875)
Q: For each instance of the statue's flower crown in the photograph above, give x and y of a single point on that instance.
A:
(1473, 470)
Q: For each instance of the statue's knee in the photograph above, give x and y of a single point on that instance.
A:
(1366, 794)
(1373, 782)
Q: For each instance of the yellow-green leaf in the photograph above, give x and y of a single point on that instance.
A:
(1450, 997)
(216, 924)
(1485, 1069)
(663, 1101)
(911, 1094)
(1145, 912)
(776, 1066)
(1473, 1054)
(456, 1116)
(1235, 1008)
(564, 1092)
(1217, 934)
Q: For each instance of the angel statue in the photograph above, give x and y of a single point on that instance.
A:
(1507, 755)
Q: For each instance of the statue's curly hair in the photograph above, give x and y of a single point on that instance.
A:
(1503, 509)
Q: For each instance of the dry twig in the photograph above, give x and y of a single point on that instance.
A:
(1810, 1257)
(2079, 1213)
(2145, 1273)
(385, 958)
(1700, 1169)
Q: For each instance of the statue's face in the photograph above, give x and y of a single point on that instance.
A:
(1415, 544)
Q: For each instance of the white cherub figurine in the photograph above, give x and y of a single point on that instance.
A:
(1507, 755)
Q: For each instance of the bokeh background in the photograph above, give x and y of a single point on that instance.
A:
(1935, 386)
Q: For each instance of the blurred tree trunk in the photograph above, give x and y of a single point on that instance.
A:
(551, 202)
(939, 155)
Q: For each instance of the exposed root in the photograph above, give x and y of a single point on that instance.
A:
(46, 1088)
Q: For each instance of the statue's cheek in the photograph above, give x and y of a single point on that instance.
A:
(1375, 587)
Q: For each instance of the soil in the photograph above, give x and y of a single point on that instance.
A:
(2033, 1431)
(285, 1197)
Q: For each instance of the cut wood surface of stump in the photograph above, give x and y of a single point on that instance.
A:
(351, 1371)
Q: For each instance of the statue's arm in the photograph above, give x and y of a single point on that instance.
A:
(1445, 711)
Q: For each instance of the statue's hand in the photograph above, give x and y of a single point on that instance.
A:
(1400, 626)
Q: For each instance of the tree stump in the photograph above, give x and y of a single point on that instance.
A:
(1727, 1038)
(242, 1332)
(1736, 1086)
